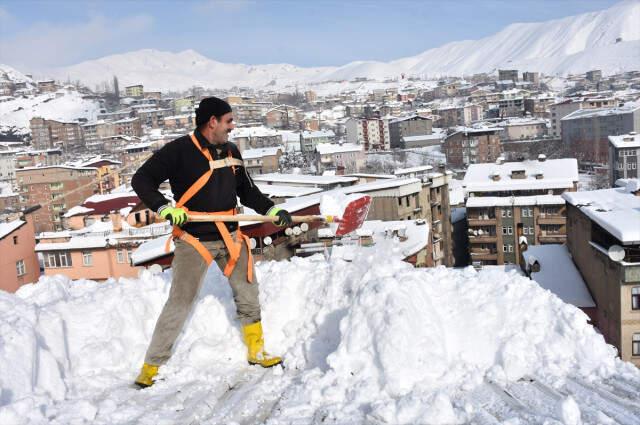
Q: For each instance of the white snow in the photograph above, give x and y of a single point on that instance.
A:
(330, 148)
(67, 108)
(370, 340)
(8, 227)
(556, 173)
(625, 141)
(616, 210)
(559, 274)
(507, 201)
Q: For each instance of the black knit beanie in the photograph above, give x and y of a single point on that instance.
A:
(211, 106)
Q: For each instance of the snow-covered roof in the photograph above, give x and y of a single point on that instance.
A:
(559, 274)
(601, 112)
(80, 242)
(631, 140)
(316, 134)
(417, 233)
(66, 167)
(7, 228)
(329, 148)
(433, 136)
(556, 173)
(507, 201)
(616, 210)
(77, 210)
(261, 152)
(283, 191)
(240, 132)
(418, 169)
(303, 179)
(410, 184)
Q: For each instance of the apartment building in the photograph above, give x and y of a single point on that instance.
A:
(283, 116)
(586, 132)
(468, 145)
(46, 86)
(344, 158)
(184, 121)
(508, 74)
(624, 157)
(603, 237)
(18, 262)
(531, 77)
(251, 113)
(563, 108)
(451, 116)
(128, 127)
(373, 134)
(49, 134)
(510, 200)
(56, 189)
(309, 140)
(262, 160)
(255, 138)
(523, 128)
(153, 117)
(134, 91)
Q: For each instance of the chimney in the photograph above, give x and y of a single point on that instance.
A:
(542, 157)
(116, 219)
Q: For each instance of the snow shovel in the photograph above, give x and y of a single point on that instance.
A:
(355, 212)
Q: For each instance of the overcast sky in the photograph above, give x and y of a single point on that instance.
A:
(36, 35)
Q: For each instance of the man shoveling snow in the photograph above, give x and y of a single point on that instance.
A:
(206, 174)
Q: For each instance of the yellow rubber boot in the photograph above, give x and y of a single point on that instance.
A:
(255, 344)
(145, 378)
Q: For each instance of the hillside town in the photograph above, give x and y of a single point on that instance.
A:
(513, 169)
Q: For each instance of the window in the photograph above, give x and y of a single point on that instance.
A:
(504, 248)
(57, 259)
(525, 230)
(129, 252)
(20, 268)
(15, 240)
(87, 258)
(504, 230)
(120, 256)
(531, 232)
(635, 345)
(510, 248)
(635, 298)
(509, 230)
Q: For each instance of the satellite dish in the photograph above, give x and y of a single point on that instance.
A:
(616, 252)
(253, 243)
(267, 241)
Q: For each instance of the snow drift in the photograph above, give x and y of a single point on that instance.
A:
(366, 338)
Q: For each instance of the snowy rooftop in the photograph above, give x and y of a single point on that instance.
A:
(283, 191)
(410, 170)
(315, 134)
(616, 210)
(261, 152)
(559, 274)
(625, 141)
(556, 173)
(67, 167)
(306, 179)
(416, 233)
(433, 136)
(330, 148)
(240, 132)
(601, 112)
(7, 228)
(80, 242)
(507, 201)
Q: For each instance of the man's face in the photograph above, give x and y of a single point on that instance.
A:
(220, 128)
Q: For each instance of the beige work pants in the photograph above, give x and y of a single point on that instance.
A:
(189, 270)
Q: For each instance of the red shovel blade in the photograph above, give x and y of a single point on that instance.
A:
(354, 215)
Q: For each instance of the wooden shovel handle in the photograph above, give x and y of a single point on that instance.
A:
(263, 218)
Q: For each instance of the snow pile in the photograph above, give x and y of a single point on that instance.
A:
(370, 339)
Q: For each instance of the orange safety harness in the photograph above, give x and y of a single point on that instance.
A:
(234, 247)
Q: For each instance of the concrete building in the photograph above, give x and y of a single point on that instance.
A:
(563, 108)
(309, 140)
(586, 132)
(624, 157)
(134, 91)
(510, 200)
(262, 160)
(373, 134)
(603, 237)
(508, 74)
(594, 76)
(472, 146)
(18, 262)
(128, 127)
(414, 125)
(49, 134)
(531, 77)
(56, 189)
(255, 138)
(344, 158)
(523, 128)
(451, 116)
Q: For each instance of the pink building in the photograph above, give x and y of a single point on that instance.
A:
(18, 262)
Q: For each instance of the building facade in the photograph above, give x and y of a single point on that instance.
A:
(624, 157)
(472, 146)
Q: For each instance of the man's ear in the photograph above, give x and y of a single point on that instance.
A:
(213, 121)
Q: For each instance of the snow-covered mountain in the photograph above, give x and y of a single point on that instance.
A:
(366, 338)
(607, 40)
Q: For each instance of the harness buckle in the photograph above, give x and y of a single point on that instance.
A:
(211, 165)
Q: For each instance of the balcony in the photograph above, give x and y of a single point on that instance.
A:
(551, 219)
(552, 237)
(483, 238)
(482, 221)
(478, 255)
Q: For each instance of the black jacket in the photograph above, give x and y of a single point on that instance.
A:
(182, 163)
